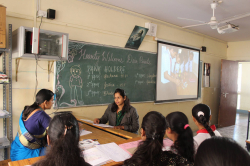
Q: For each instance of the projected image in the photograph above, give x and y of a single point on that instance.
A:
(177, 73)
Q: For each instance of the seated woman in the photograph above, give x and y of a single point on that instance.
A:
(63, 139)
(149, 151)
(221, 151)
(120, 113)
(179, 131)
(31, 136)
(201, 116)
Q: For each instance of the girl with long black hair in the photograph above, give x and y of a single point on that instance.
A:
(120, 113)
(149, 152)
(201, 116)
(179, 131)
(221, 151)
(63, 139)
(31, 136)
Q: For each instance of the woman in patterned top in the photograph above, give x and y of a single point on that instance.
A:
(31, 136)
(149, 151)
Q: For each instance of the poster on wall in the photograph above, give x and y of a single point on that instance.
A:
(136, 37)
(206, 73)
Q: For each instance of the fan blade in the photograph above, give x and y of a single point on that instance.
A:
(234, 18)
(190, 19)
(195, 25)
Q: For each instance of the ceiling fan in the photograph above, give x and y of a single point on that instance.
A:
(213, 22)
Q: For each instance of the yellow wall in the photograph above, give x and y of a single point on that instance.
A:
(93, 23)
(239, 51)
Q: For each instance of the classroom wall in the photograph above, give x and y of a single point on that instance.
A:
(245, 86)
(91, 22)
(239, 51)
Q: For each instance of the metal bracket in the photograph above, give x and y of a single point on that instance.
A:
(17, 65)
(50, 65)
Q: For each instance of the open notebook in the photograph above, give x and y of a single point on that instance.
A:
(104, 153)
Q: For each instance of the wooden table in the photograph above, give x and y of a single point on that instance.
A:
(35, 159)
(104, 135)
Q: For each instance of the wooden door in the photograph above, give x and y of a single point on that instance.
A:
(228, 96)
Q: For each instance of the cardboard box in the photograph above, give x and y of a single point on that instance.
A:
(2, 26)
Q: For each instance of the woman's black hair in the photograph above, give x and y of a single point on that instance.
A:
(64, 138)
(201, 112)
(41, 96)
(221, 151)
(154, 125)
(126, 106)
(184, 144)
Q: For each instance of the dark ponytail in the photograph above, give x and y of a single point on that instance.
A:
(64, 138)
(201, 112)
(41, 96)
(154, 125)
(178, 122)
(126, 106)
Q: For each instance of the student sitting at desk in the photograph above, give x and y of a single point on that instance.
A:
(120, 113)
(33, 122)
(149, 151)
(63, 139)
(179, 131)
(201, 116)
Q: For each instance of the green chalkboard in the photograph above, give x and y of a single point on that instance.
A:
(93, 72)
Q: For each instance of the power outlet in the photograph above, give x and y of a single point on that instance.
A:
(41, 13)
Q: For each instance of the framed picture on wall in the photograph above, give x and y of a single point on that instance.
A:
(206, 73)
(136, 37)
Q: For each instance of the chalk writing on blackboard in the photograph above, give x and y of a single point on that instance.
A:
(92, 73)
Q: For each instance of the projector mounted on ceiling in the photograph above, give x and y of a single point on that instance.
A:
(229, 28)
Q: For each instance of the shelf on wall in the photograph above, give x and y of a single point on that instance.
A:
(4, 142)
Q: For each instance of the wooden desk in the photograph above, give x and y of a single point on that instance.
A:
(33, 160)
(118, 132)
(104, 135)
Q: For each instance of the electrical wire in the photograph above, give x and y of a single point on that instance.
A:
(36, 57)
(41, 22)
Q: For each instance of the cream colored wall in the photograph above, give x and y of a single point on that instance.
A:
(245, 87)
(239, 51)
(92, 23)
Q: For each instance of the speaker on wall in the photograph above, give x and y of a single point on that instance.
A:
(203, 49)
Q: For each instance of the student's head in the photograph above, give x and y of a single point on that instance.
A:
(191, 55)
(63, 139)
(153, 126)
(173, 52)
(44, 99)
(152, 132)
(179, 131)
(63, 126)
(201, 115)
(221, 151)
(120, 99)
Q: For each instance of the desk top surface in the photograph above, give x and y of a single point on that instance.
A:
(103, 135)
(35, 159)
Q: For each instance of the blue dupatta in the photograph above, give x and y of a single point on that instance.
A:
(26, 145)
